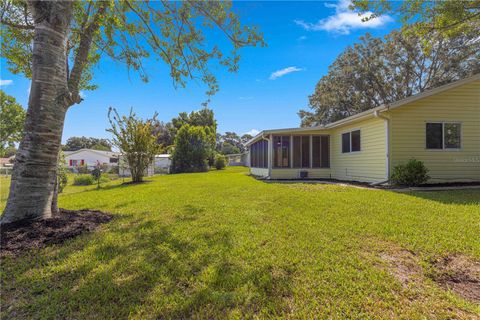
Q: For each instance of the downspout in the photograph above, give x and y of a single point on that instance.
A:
(377, 114)
(269, 153)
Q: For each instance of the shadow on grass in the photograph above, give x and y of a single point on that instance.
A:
(465, 197)
(141, 268)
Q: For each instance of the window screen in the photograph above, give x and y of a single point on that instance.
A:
(452, 135)
(355, 136)
(346, 142)
(434, 134)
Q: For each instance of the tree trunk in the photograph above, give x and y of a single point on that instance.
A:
(34, 172)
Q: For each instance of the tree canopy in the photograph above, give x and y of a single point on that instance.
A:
(77, 143)
(12, 118)
(450, 17)
(380, 71)
(130, 32)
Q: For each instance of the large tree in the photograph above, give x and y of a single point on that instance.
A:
(57, 43)
(422, 17)
(380, 71)
(12, 118)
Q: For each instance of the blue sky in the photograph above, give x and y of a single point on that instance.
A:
(273, 83)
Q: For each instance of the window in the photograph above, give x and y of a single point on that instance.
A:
(113, 160)
(321, 152)
(351, 141)
(443, 135)
(281, 151)
(301, 151)
(355, 140)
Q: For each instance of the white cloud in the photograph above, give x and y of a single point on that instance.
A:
(82, 94)
(282, 72)
(245, 98)
(302, 38)
(5, 82)
(344, 20)
(253, 132)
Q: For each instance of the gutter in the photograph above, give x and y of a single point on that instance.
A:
(377, 114)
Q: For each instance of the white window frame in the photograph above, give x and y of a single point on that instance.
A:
(443, 135)
(350, 134)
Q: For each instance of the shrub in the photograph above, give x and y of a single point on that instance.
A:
(137, 139)
(220, 161)
(82, 169)
(411, 174)
(83, 180)
(62, 177)
(192, 148)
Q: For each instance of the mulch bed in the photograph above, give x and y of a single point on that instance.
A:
(21, 236)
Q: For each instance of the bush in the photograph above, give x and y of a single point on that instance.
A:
(83, 180)
(88, 179)
(220, 161)
(82, 169)
(192, 148)
(411, 174)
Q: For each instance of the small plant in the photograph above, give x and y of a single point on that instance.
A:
(83, 180)
(97, 174)
(411, 174)
(220, 161)
(82, 169)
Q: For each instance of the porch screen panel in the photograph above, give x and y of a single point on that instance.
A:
(259, 154)
(265, 154)
(297, 151)
(281, 151)
(306, 152)
(325, 152)
(321, 152)
(316, 152)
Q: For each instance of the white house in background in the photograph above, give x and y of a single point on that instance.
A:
(161, 164)
(90, 158)
(238, 159)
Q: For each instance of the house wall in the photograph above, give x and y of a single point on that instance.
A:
(369, 164)
(90, 158)
(294, 173)
(259, 172)
(460, 104)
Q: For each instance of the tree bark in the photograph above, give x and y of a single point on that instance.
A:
(35, 168)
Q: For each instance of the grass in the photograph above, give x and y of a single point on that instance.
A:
(224, 245)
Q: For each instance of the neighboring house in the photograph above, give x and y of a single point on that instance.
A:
(162, 163)
(238, 159)
(7, 162)
(440, 127)
(90, 158)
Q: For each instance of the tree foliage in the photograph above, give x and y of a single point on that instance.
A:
(136, 139)
(12, 117)
(77, 143)
(130, 32)
(192, 149)
(380, 71)
(230, 142)
(422, 17)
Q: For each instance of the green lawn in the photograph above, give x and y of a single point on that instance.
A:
(222, 244)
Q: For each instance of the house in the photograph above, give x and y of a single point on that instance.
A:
(238, 159)
(440, 127)
(162, 163)
(90, 158)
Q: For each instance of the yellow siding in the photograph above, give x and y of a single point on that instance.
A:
(460, 104)
(294, 173)
(369, 164)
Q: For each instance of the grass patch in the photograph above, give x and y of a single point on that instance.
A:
(224, 245)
